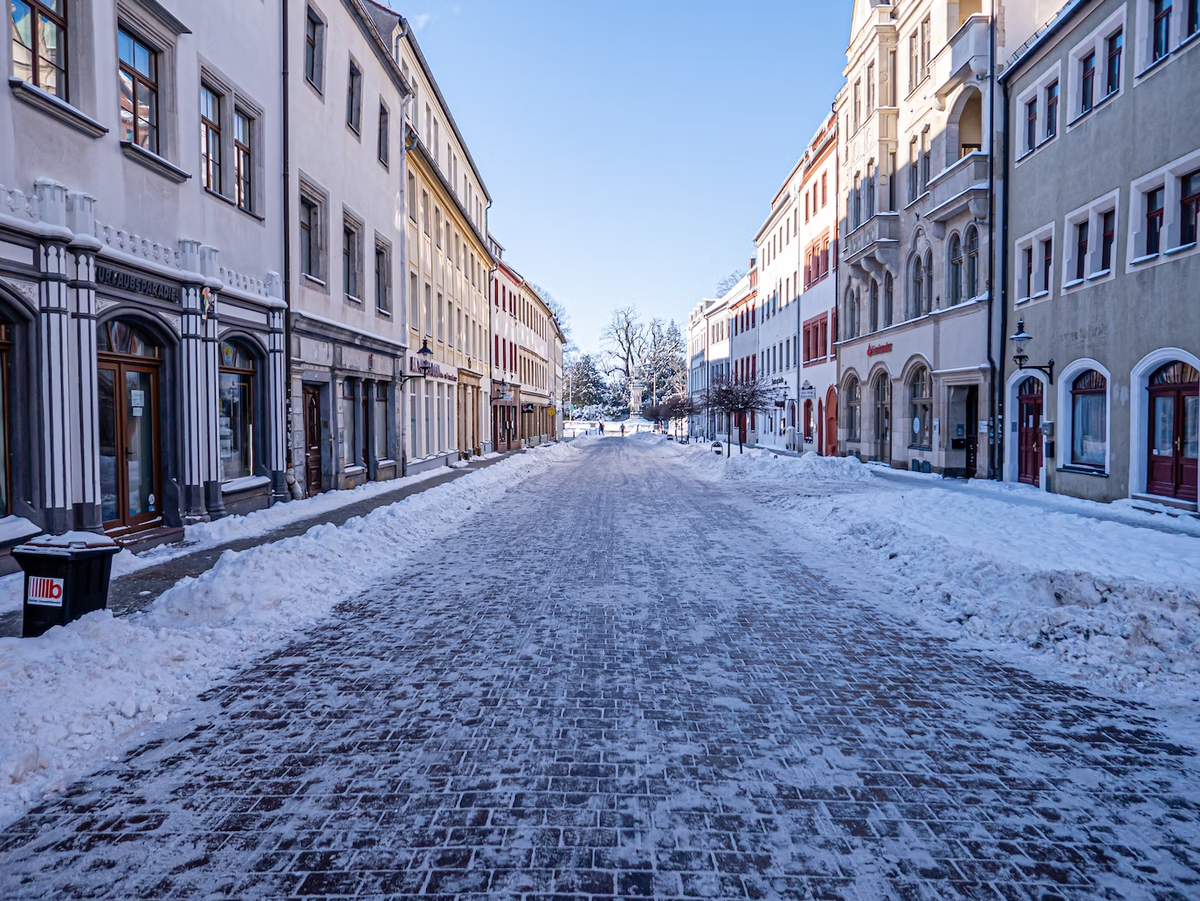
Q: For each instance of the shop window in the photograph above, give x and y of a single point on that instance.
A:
(810, 421)
(349, 417)
(920, 394)
(381, 421)
(236, 412)
(1089, 420)
(853, 409)
(138, 77)
(39, 44)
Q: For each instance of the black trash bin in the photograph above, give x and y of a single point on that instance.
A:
(66, 576)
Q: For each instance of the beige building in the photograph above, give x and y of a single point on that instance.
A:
(916, 373)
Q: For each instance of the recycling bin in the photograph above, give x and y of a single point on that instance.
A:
(66, 576)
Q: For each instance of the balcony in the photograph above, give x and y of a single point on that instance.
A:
(959, 188)
(964, 57)
(876, 242)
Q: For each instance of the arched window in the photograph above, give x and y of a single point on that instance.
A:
(1089, 419)
(236, 412)
(918, 288)
(920, 397)
(972, 262)
(5, 450)
(956, 270)
(120, 337)
(853, 407)
(887, 300)
(874, 324)
(928, 306)
(810, 421)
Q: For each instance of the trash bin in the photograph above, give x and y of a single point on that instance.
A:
(66, 576)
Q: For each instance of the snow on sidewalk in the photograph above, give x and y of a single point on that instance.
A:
(79, 693)
(1112, 604)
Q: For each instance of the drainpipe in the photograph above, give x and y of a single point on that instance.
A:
(287, 243)
(405, 401)
(993, 436)
(999, 388)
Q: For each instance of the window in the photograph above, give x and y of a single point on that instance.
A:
(824, 188)
(384, 148)
(926, 159)
(873, 316)
(310, 230)
(210, 138)
(856, 202)
(1089, 420)
(354, 98)
(1088, 91)
(1162, 29)
(1028, 268)
(39, 45)
(926, 55)
(972, 262)
(913, 176)
(870, 88)
(857, 104)
(853, 409)
(412, 197)
(1154, 221)
(1081, 249)
(425, 212)
(1193, 25)
(414, 303)
(1109, 222)
(243, 159)
(1113, 81)
(383, 276)
(380, 424)
(236, 412)
(956, 270)
(1047, 262)
(920, 396)
(428, 321)
(1052, 110)
(914, 62)
(918, 288)
(1031, 125)
(349, 409)
(138, 77)
(1189, 208)
(351, 259)
(869, 189)
(314, 49)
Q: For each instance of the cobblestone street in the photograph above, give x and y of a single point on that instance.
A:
(614, 683)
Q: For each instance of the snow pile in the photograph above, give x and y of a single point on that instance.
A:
(1107, 595)
(78, 692)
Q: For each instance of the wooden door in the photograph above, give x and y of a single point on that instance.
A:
(130, 466)
(972, 430)
(1029, 433)
(312, 440)
(1174, 439)
(883, 418)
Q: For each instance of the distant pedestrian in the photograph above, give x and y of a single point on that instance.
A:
(601, 428)
(622, 430)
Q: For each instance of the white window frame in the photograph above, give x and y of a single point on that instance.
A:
(1037, 91)
(1035, 241)
(1097, 43)
(233, 100)
(1143, 48)
(1169, 177)
(1093, 214)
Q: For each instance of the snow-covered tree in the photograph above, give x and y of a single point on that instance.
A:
(736, 398)
(665, 368)
(624, 340)
(584, 385)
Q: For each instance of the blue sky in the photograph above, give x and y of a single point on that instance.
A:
(632, 148)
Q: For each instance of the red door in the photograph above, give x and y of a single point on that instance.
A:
(1174, 439)
(1029, 436)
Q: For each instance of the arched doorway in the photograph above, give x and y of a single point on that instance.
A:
(831, 423)
(1174, 434)
(881, 396)
(129, 360)
(1029, 433)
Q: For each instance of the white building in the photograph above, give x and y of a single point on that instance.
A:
(141, 235)
(744, 321)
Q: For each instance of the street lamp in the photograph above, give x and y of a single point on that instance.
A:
(1019, 340)
(424, 363)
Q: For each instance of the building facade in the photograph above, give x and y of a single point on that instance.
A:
(141, 307)
(743, 353)
(1101, 271)
(916, 207)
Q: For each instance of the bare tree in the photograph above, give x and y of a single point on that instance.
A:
(625, 340)
(725, 285)
(560, 315)
(736, 398)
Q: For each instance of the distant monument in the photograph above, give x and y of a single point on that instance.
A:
(635, 398)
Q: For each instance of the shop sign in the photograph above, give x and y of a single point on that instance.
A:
(136, 284)
(436, 370)
(552, 411)
(526, 408)
(876, 349)
(44, 592)
(808, 392)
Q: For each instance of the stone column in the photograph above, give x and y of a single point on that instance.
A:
(275, 413)
(85, 409)
(54, 389)
(209, 398)
(191, 376)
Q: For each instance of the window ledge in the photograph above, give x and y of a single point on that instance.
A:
(1182, 248)
(1154, 65)
(1146, 259)
(350, 298)
(1083, 471)
(1073, 283)
(379, 311)
(1040, 295)
(56, 107)
(217, 195)
(1101, 274)
(314, 280)
(1103, 101)
(353, 470)
(154, 162)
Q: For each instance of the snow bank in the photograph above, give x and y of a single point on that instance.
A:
(69, 698)
(1108, 596)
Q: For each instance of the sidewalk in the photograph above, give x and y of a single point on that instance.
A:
(137, 590)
